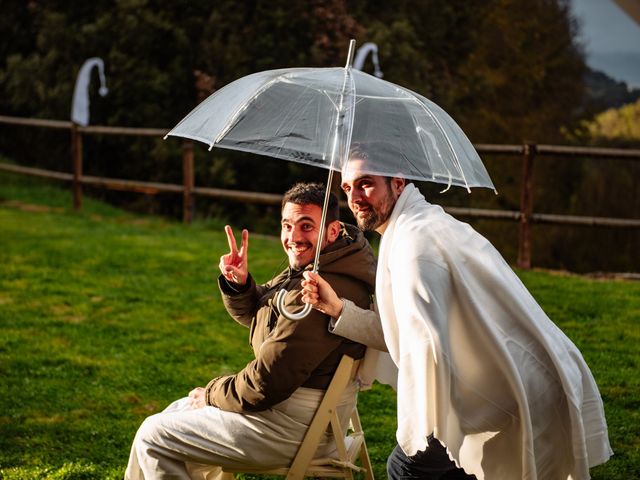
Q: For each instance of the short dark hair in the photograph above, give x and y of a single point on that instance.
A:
(305, 193)
(359, 151)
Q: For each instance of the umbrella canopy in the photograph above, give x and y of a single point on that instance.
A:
(313, 116)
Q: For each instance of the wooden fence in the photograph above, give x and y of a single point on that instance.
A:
(525, 216)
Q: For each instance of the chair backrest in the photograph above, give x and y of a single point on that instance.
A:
(349, 448)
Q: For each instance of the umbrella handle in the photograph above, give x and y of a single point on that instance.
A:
(279, 299)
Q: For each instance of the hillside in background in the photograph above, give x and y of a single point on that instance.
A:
(626, 64)
(603, 92)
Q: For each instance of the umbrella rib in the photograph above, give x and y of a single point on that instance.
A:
(326, 94)
(448, 142)
(294, 116)
(339, 109)
(419, 130)
(243, 107)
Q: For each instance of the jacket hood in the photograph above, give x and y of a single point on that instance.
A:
(353, 248)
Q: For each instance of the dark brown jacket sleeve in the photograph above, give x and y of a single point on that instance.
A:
(286, 359)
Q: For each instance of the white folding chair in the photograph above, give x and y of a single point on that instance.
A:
(349, 448)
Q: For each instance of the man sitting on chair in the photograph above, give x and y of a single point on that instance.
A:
(258, 417)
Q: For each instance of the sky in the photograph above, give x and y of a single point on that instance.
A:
(611, 39)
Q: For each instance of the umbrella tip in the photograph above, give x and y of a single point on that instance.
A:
(352, 49)
(449, 183)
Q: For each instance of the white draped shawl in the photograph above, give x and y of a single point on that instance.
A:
(480, 365)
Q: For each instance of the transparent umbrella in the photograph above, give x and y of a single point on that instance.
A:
(314, 115)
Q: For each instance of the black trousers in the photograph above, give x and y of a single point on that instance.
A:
(431, 464)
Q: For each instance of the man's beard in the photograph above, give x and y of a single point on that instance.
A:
(375, 216)
(369, 222)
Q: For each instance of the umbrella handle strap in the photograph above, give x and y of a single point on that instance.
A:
(279, 299)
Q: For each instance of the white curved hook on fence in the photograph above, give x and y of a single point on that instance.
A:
(80, 104)
(361, 56)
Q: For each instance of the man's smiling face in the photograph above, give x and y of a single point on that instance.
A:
(299, 234)
(371, 198)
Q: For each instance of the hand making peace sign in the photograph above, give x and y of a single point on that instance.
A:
(234, 265)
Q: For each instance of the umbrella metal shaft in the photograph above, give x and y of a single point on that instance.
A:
(339, 125)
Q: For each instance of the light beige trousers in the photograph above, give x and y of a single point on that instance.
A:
(182, 443)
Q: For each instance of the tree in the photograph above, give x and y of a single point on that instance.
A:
(620, 126)
(505, 70)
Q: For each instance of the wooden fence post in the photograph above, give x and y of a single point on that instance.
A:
(526, 208)
(76, 159)
(188, 181)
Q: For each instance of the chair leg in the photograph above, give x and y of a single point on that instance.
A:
(366, 462)
(363, 453)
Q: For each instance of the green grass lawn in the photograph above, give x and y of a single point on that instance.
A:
(106, 317)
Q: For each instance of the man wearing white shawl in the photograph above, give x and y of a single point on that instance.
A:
(480, 367)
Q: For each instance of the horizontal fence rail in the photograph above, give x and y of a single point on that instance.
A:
(525, 216)
(153, 188)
